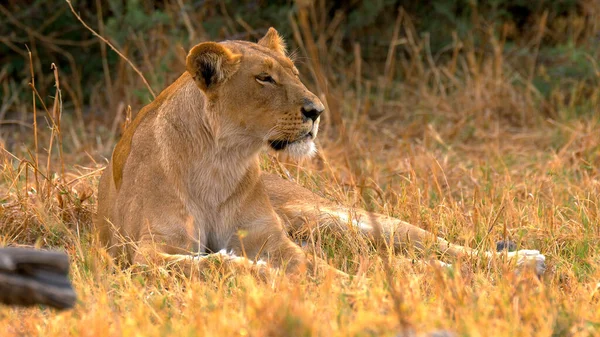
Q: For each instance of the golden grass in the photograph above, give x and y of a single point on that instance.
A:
(464, 147)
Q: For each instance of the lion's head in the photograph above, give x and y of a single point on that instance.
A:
(257, 88)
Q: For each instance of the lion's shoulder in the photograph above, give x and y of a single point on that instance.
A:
(123, 148)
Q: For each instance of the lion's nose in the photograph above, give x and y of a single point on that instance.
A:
(312, 110)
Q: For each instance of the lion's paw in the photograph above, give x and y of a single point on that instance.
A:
(527, 258)
(441, 264)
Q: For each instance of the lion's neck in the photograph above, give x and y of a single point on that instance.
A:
(194, 134)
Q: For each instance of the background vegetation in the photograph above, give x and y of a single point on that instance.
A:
(475, 120)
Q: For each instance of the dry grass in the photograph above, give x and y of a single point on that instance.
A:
(463, 146)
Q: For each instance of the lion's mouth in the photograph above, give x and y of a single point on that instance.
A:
(281, 144)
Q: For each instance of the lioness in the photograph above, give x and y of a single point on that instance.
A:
(184, 180)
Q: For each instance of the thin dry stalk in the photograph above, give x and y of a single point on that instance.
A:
(35, 130)
(54, 131)
(49, 159)
(57, 115)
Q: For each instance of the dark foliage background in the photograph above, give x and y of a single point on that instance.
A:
(138, 28)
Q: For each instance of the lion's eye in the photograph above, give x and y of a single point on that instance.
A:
(264, 78)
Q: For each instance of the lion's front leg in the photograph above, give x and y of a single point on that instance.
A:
(261, 235)
(278, 250)
(264, 239)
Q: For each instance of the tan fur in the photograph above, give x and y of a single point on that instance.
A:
(185, 179)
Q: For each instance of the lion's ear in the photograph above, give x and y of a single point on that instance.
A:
(210, 64)
(273, 41)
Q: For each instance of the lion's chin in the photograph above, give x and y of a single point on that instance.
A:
(298, 149)
(301, 149)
